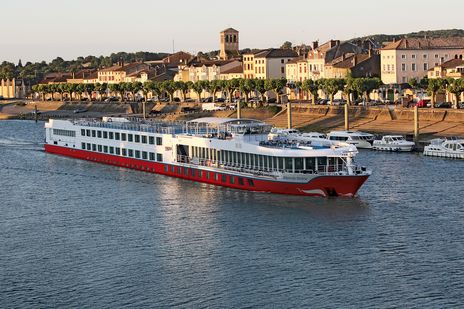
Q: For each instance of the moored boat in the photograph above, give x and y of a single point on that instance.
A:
(446, 148)
(357, 138)
(234, 153)
(393, 143)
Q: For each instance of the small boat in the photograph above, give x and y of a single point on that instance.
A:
(446, 148)
(393, 143)
(357, 138)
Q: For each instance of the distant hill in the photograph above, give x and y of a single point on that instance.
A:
(382, 38)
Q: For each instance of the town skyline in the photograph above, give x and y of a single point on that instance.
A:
(82, 32)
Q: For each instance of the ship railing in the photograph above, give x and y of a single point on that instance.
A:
(330, 169)
(160, 128)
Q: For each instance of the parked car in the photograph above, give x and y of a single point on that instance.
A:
(272, 100)
(154, 112)
(422, 103)
(220, 100)
(443, 105)
(111, 99)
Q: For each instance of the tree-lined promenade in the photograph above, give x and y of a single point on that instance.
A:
(349, 88)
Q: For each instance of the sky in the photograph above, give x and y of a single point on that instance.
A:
(36, 30)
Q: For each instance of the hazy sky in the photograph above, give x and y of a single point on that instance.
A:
(35, 30)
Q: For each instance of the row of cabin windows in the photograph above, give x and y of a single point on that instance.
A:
(143, 139)
(61, 132)
(137, 154)
(262, 162)
(223, 178)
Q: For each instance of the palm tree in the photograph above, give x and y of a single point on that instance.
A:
(433, 87)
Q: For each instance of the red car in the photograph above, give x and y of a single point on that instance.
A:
(423, 103)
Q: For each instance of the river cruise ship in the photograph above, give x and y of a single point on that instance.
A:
(235, 153)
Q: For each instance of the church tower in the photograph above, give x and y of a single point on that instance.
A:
(229, 44)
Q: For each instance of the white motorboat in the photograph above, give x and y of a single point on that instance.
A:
(357, 138)
(393, 143)
(446, 148)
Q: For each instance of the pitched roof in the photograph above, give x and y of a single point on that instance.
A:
(351, 61)
(452, 63)
(229, 30)
(426, 43)
(234, 70)
(276, 53)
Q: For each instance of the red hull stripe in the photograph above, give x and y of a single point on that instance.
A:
(319, 186)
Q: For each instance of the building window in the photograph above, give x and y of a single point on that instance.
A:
(436, 56)
(282, 61)
(413, 67)
(426, 67)
(403, 56)
(403, 67)
(282, 70)
(413, 56)
(424, 56)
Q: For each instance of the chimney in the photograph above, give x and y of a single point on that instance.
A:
(370, 52)
(315, 44)
(343, 57)
(354, 62)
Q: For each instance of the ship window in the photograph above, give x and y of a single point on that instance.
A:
(117, 136)
(151, 140)
(130, 137)
(200, 174)
(250, 182)
(298, 164)
(137, 154)
(224, 178)
(137, 138)
(310, 163)
(110, 135)
(105, 149)
(89, 146)
(186, 171)
(144, 155)
(208, 175)
(159, 157)
(131, 153)
(173, 169)
(83, 146)
(179, 170)
(124, 152)
(240, 181)
(87, 132)
(118, 151)
(159, 141)
(99, 148)
(94, 133)
(144, 139)
(105, 134)
(216, 176)
(123, 136)
(192, 172)
(112, 150)
(232, 179)
(322, 161)
(166, 168)
(99, 134)
(288, 164)
(82, 132)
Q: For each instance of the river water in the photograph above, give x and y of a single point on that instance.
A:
(76, 234)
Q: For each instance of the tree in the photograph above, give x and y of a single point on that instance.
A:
(198, 88)
(231, 86)
(116, 88)
(275, 85)
(413, 83)
(246, 86)
(372, 84)
(434, 86)
(154, 88)
(260, 88)
(214, 87)
(331, 86)
(456, 87)
(183, 88)
(311, 88)
(168, 87)
(286, 45)
(349, 89)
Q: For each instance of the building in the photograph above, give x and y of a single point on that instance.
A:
(232, 72)
(453, 68)
(229, 40)
(271, 63)
(410, 58)
(83, 76)
(297, 70)
(13, 88)
(354, 65)
(118, 73)
(200, 69)
(331, 52)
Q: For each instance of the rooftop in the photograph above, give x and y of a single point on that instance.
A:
(426, 43)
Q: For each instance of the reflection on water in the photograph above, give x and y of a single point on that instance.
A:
(80, 234)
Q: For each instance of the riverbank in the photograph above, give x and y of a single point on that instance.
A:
(305, 117)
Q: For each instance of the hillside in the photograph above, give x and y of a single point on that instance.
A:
(382, 38)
